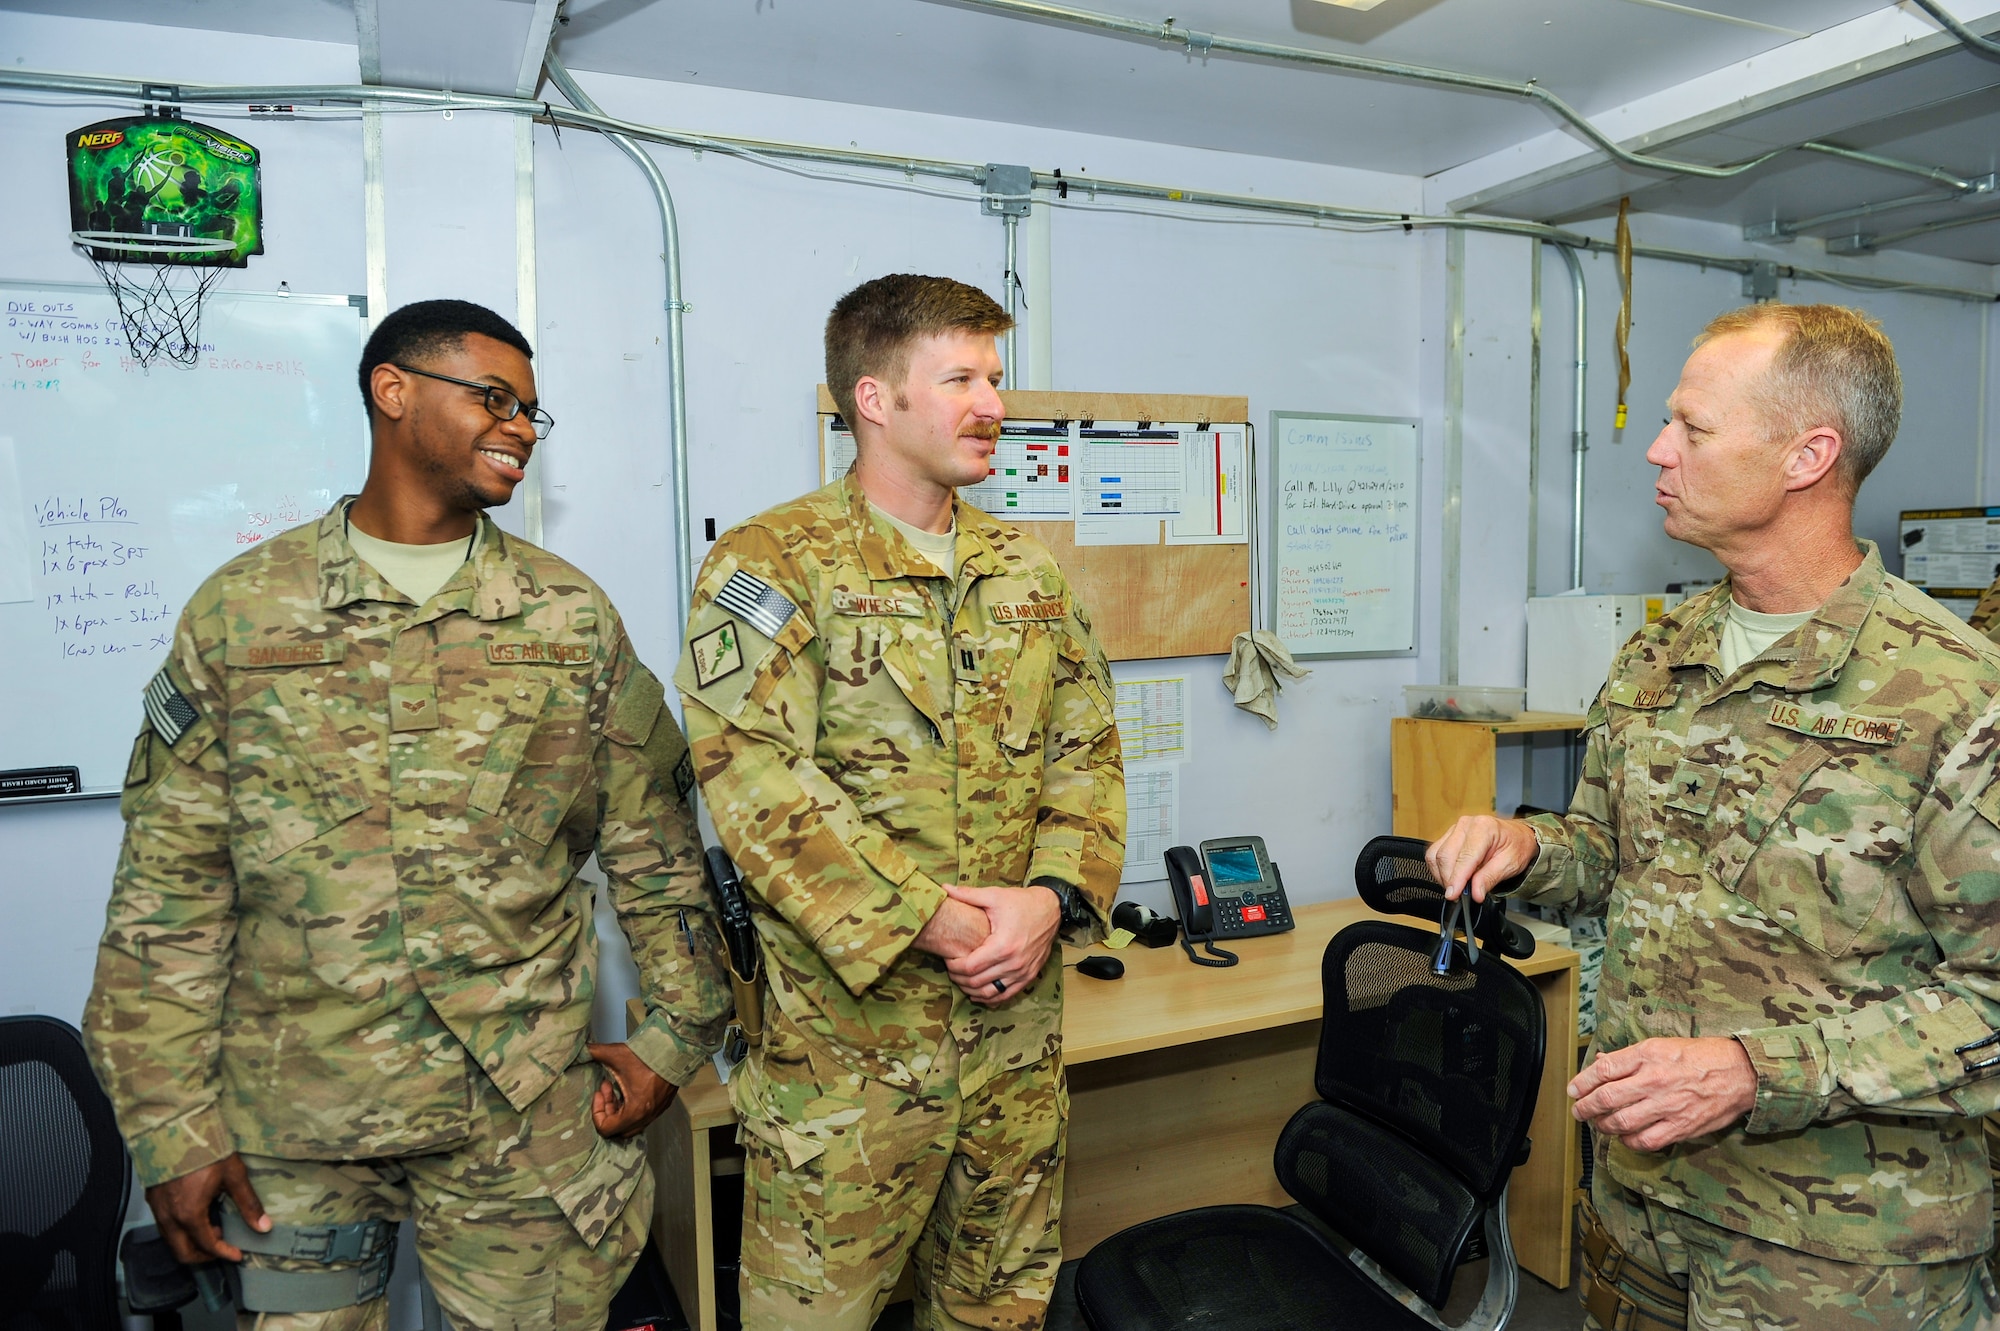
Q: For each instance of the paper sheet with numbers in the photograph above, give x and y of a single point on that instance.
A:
(1152, 818)
(1152, 719)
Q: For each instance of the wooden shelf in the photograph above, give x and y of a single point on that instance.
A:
(1530, 722)
(1442, 769)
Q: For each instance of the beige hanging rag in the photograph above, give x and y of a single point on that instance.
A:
(1255, 662)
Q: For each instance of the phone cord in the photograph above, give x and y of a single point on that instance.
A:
(1223, 957)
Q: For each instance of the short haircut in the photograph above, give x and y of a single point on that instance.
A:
(431, 328)
(1835, 367)
(872, 328)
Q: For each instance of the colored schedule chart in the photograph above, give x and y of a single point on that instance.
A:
(1131, 478)
(1030, 479)
(1129, 472)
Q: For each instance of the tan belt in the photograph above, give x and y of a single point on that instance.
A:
(1621, 1293)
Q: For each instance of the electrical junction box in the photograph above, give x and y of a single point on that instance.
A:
(1571, 641)
(1952, 553)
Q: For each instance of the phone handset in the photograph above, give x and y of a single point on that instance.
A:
(1189, 880)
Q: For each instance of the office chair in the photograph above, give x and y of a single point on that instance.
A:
(1429, 1061)
(64, 1180)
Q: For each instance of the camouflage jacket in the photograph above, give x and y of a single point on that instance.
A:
(1805, 856)
(864, 730)
(1985, 617)
(350, 873)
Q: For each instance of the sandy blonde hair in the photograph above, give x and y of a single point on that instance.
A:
(873, 327)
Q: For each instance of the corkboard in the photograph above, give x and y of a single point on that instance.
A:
(1145, 601)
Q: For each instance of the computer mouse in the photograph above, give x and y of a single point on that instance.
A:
(1101, 968)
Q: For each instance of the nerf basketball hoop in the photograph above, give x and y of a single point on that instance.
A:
(162, 207)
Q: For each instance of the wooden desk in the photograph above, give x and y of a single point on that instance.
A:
(1180, 1079)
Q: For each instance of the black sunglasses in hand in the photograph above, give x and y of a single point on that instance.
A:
(500, 404)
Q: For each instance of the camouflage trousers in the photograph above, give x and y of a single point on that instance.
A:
(847, 1179)
(1739, 1283)
(530, 1225)
(1991, 1126)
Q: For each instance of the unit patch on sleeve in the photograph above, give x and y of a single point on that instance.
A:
(718, 653)
(168, 708)
(762, 606)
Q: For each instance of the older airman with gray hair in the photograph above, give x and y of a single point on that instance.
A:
(1790, 810)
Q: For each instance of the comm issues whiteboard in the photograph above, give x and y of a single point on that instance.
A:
(122, 488)
(1344, 534)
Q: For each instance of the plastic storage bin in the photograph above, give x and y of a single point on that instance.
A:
(1463, 702)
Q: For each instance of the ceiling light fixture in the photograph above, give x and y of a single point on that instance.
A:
(1352, 4)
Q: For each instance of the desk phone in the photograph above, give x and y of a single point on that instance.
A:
(1229, 889)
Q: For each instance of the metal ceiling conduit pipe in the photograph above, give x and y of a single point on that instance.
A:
(1204, 44)
(670, 242)
(1789, 228)
(1985, 46)
(773, 152)
(1932, 228)
(1579, 434)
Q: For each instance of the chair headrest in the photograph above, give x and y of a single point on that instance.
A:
(1392, 878)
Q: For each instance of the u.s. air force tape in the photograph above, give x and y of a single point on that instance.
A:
(168, 709)
(763, 606)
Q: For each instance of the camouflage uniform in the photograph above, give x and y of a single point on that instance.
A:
(1738, 1283)
(348, 923)
(1985, 618)
(1804, 856)
(865, 730)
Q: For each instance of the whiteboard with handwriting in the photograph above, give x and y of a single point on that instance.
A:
(1344, 534)
(122, 488)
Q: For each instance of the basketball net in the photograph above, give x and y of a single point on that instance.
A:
(159, 297)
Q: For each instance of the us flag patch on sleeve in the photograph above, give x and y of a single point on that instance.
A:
(762, 606)
(168, 708)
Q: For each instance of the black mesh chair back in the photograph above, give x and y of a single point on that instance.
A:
(64, 1178)
(1391, 876)
(1429, 1084)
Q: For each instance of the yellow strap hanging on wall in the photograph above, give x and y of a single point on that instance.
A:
(1624, 308)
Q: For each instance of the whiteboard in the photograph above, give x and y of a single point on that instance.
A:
(1344, 534)
(122, 488)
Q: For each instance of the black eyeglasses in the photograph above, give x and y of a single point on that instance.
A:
(500, 404)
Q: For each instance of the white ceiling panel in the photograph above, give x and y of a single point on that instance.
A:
(948, 56)
(462, 45)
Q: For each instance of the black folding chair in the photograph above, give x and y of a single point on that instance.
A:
(64, 1181)
(1429, 1061)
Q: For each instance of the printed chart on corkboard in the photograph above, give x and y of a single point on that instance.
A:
(1147, 500)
